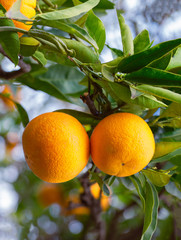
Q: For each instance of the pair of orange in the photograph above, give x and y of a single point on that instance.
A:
(57, 147)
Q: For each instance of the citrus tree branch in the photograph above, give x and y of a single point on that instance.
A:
(94, 205)
(24, 68)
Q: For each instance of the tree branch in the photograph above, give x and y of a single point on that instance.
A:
(24, 68)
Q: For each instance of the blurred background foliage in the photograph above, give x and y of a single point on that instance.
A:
(34, 210)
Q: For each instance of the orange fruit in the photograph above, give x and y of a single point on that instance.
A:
(56, 147)
(122, 144)
(5, 89)
(27, 9)
(49, 193)
(82, 210)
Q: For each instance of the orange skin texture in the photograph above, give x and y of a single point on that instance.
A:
(122, 144)
(56, 147)
(27, 9)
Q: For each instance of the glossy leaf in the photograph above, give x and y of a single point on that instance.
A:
(121, 93)
(168, 156)
(28, 46)
(82, 117)
(141, 41)
(163, 148)
(151, 210)
(127, 39)
(39, 56)
(159, 92)
(155, 77)
(70, 28)
(96, 30)
(162, 62)
(139, 189)
(69, 12)
(175, 61)
(159, 178)
(142, 59)
(12, 46)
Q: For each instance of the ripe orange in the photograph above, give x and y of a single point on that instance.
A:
(49, 193)
(122, 144)
(56, 147)
(27, 9)
(5, 89)
(82, 210)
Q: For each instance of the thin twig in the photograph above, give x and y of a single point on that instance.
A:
(24, 68)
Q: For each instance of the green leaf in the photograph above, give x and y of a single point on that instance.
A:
(28, 46)
(12, 45)
(115, 52)
(162, 62)
(163, 148)
(151, 212)
(142, 59)
(23, 114)
(175, 61)
(69, 12)
(139, 189)
(155, 77)
(141, 41)
(122, 93)
(39, 56)
(38, 84)
(96, 30)
(127, 39)
(159, 92)
(167, 157)
(105, 190)
(159, 178)
(82, 117)
(173, 110)
(73, 29)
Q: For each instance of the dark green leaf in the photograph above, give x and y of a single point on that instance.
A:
(141, 41)
(69, 12)
(127, 39)
(23, 114)
(162, 62)
(142, 59)
(96, 30)
(155, 77)
(12, 45)
(82, 117)
(151, 212)
(105, 190)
